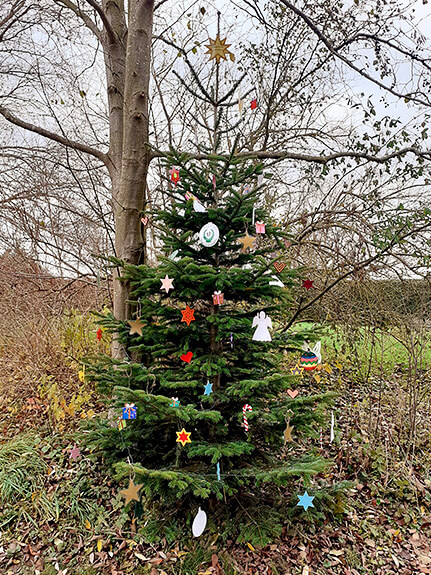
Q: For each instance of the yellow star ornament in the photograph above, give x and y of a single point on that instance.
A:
(247, 242)
(131, 493)
(135, 326)
(288, 433)
(218, 49)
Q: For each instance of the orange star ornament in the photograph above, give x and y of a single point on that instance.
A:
(183, 436)
(188, 315)
(217, 49)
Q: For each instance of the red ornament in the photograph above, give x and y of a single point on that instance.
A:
(253, 104)
(292, 394)
(307, 284)
(188, 315)
(99, 334)
(218, 298)
(183, 436)
(175, 175)
(187, 357)
(279, 266)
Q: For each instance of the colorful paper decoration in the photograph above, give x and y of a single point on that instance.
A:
(183, 437)
(175, 402)
(279, 266)
(208, 388)
(246, 408)
(276, 281)
(307, 284)
(247, 242)
(309, 360)
(99, 334)
(199, 523)
(247, 190)
(121, 423)
(253, 104)
(217, 49)
(260, 228)
(218, 471)
(197, 206)
(75, 452)
(296, 370)
(218, 298)
(209, 235)
(135, 326)
(175, 175)
(262, 322)
(287, 434)
(292, 394)
(129, 411)
(167, 283)
(144, 220)
(188, 315)
(131, 493)
(305, 501)
(187, 357)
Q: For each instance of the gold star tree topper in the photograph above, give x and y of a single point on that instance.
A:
(218, 49)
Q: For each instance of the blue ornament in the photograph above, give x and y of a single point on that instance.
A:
(305, 500)
(208, 388)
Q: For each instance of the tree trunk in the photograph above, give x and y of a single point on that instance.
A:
(131, 147)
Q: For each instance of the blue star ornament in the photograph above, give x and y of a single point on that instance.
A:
(306, 501)
(208, 388)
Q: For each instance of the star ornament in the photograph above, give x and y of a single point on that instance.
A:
(131, 493)
(296, 370)
(135, 326)
(183, 437)
(305, 501)
(217, 49)
(188, 315)
(167, 283)
(247, 242)
(307, 284)
(288, 433)
(175, 175)
(208, 388)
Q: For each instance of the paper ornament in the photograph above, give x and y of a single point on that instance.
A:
(197, 206)
(292, 394)
(208, 388)
(99, 334)
(253, 104)
(199, 523)
(188, 315)
(121, 423)
(218, 471)
(247, 242)
(307, 284)
(305, 501)
(276, 281)
(167, 283)
(311, 358)
(262, 322)
(183, 437)
(246, 408)
(296, 370)
(316, 349)
(129, 411)
(187, 357)
(287, 434)
(131, 493)
(217, 49)
(175, 402)
(81, 374)
(260, 228)
(75, 452)
(144, 220)
(279, 266)
(135, 326)
(209, 235)
(218, 298)
(175, 175)
(246, 190)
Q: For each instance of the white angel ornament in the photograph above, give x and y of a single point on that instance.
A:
(262, 322)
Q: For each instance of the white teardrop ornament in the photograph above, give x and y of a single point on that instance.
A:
(199, 523)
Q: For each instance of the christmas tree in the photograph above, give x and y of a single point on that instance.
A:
(206, 353)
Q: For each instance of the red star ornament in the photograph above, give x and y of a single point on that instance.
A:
(253, 104)
(307, 284)
(183, 437)
(188, 315)
(99, 334)
(175, 175)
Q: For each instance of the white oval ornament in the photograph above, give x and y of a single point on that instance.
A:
(209, 235)
(199, 523)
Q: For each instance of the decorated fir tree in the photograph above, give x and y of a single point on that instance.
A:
(215, 426)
